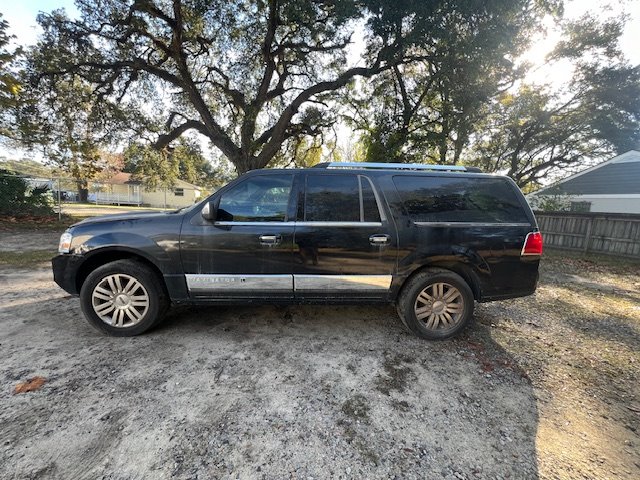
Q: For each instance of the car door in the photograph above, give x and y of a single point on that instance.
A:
(345, 244)
(247, 251)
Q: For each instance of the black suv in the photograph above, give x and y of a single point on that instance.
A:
(431, 239)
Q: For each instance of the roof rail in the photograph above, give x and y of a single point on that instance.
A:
(397, 166)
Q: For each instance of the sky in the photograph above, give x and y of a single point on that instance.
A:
(21, 15)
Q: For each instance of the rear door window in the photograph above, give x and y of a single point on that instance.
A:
(340, 198)
(461, 199)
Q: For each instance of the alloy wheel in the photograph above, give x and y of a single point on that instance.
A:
(120, 300)
(439, 306)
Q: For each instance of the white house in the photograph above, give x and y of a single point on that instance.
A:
(612, 187)
(121, 189)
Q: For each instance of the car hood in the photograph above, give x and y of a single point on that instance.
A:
(123, 217)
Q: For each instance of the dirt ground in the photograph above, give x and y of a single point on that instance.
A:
(541, 387)
(29, 241)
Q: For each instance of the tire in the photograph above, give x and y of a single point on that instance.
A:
(123, 298)
(447, 292)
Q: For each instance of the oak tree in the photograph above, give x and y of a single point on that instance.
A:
(427, 111)
(243, 73)
(9, 81)
(535, 132)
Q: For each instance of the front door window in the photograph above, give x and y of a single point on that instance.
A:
(258, 199)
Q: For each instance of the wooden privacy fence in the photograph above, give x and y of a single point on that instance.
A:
(606, 233)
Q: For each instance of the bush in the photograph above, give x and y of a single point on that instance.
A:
(550, 203)
(17, 198)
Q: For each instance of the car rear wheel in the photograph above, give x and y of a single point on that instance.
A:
(123, 298)
(435, 304)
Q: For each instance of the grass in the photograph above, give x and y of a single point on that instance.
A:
(37, 224)
(75, 212)
(30, 258)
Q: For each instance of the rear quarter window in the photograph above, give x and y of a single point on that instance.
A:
(461, 199)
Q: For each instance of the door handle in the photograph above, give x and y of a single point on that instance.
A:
(379, 239)
(270, 239)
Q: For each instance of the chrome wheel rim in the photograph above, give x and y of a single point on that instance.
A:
(120, 300)
(439, 306)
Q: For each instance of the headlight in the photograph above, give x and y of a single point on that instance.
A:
(65, 243)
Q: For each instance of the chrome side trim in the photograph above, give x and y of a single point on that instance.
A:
(341, 282)
(215, 282)
(339, 224)
(301, 224)
(258, 224)
(470, 224)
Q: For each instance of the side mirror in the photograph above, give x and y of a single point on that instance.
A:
(210, 210)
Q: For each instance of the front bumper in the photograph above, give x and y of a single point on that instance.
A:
(65, 268)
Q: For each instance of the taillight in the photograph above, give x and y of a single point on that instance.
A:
(532, 244)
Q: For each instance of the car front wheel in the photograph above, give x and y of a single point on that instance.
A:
(123, 298)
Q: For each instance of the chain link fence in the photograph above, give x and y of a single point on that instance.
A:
(26, 194)
(19, 196)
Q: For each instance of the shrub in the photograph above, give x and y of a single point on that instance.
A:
(550, 203)
(17, 198)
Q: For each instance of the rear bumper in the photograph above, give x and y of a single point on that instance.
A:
(523, 292)
(65, 268)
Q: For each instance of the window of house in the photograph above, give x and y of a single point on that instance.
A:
(262, 198)
(179, 192)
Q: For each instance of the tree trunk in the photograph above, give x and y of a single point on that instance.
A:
(245, 162)
(83, 191)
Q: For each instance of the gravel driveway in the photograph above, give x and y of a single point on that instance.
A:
(250, 392)
(303, 392)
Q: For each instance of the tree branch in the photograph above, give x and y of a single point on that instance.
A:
(167, 138)
(277, 132)
(267, 55)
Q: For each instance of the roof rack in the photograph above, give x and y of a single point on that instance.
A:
(397, 166)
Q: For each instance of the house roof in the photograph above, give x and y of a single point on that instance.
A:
(183, 184)
(122, 178)
(618, 175)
